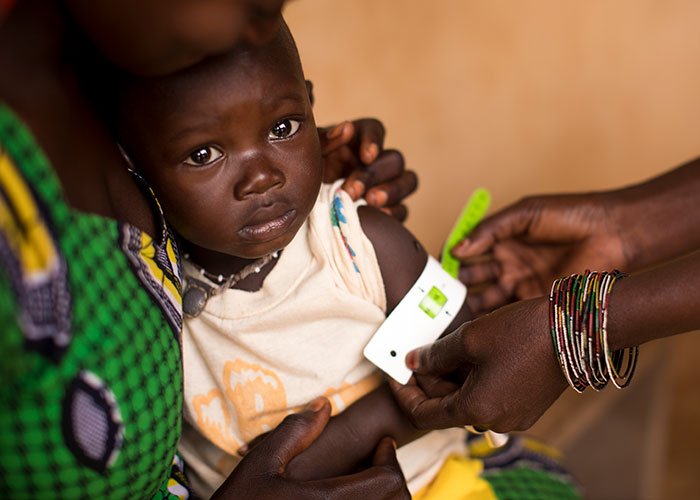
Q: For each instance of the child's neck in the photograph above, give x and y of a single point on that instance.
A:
(225, 265)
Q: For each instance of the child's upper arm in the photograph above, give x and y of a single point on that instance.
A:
(400, 256)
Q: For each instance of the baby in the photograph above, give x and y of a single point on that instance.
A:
(286, 278)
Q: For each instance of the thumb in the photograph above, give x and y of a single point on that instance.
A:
(294, 434)
(442, 357)
(333, 138)
(394, 484)
(385, 454)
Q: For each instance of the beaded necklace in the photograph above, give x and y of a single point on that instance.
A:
(198, 292)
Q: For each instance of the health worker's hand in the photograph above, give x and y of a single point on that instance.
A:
(261, 475)
(502, 368)
(355, 150)
(518, 252)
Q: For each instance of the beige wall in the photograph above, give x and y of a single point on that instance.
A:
(532, 96)
(518, 96)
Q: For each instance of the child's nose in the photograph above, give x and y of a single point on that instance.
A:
(259, 175)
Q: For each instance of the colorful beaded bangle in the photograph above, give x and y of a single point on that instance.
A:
(578, 321)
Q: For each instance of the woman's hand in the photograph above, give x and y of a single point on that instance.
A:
(501, 367)
(542, 238)
(354, 150)
(528, 245)
(262, 474)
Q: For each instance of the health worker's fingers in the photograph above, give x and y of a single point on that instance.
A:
(430, 413)
(507, 223)
(435, 386)
(409, 397)
(442, 357)
(487, 271)
(488, 299)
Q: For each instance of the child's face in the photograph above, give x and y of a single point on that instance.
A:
(231, 150)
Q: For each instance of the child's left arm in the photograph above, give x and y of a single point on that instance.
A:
(352, 435)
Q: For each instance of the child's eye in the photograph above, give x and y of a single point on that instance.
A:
(203, 156)
(283, 129)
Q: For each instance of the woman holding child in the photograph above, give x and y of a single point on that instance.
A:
(90, 279)
(90, 276)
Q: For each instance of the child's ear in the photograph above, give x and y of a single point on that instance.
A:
(310, 90)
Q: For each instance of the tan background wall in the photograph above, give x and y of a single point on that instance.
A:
(518, 96)
(528, 97)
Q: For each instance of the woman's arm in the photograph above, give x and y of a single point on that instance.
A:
(659, 219)
(527, 245)
(513, 372)
(658, 303)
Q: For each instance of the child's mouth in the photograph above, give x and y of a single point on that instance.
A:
(268, 230)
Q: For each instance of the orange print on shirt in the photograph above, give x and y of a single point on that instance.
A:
(257, 394)
(214, 420)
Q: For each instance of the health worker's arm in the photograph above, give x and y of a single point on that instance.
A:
(519, 251)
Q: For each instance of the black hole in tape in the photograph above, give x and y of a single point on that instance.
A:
(393, 354)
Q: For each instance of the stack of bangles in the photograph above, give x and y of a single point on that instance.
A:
(579, 319)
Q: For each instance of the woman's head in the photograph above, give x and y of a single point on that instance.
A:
(230, 147)
(155, 37)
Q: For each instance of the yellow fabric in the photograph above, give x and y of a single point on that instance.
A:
(458, 479)
(23, 225)
(148, 254)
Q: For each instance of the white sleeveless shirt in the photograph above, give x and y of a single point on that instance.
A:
(251, 358)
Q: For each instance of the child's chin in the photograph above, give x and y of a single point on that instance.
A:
(261, 251)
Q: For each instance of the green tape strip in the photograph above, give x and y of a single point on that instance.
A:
(471, 215)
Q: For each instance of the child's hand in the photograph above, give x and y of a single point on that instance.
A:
(354, 150)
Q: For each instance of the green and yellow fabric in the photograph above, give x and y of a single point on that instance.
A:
(91, 368)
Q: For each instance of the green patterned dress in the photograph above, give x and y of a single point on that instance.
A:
(90, 318)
